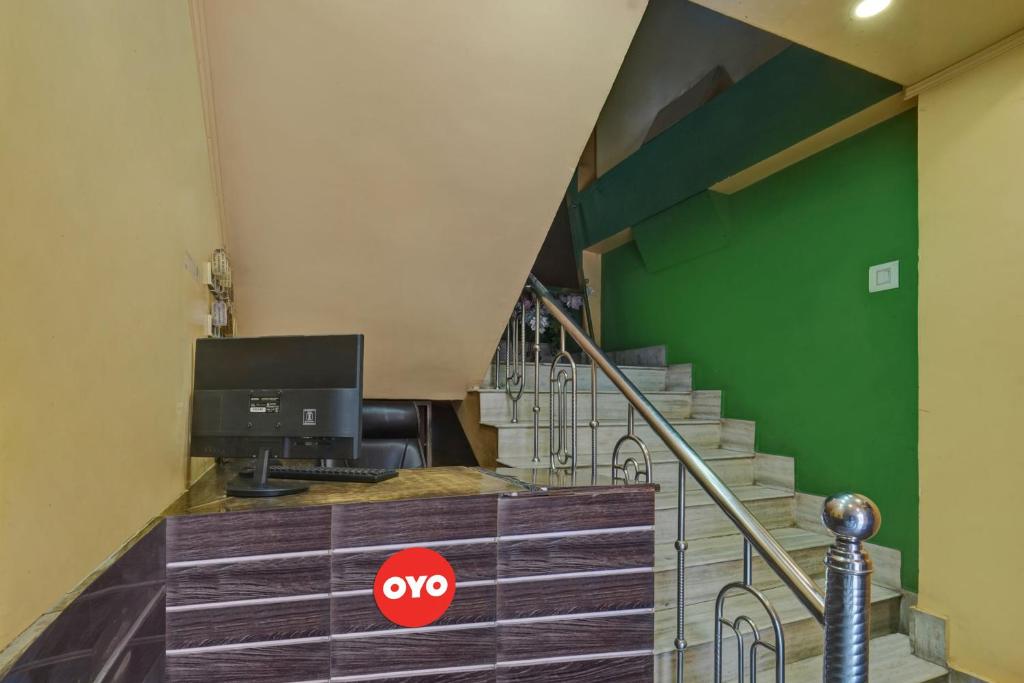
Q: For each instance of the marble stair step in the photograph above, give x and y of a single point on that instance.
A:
(699, 497)
(707, 453)
(735, 468)
(803, 633)
(717, 560)
(773, 507)
(891, 661)
(645, 378)
(732, 467)
(515, 440)
(496, 406)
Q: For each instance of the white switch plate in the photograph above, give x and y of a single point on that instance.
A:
(884, 276)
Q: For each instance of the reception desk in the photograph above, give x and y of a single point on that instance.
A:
(553, 582)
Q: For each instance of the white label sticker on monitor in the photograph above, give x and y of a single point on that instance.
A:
(308, 417)
(264, 404)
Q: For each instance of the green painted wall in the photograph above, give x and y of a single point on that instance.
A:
(774, 310)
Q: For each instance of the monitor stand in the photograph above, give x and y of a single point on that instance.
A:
(258, 486)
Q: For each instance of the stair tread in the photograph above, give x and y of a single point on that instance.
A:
(656, 375)
(713, 454)
(528, 423)
(714, 549)
(665, 457)
(892, 661)
(666, 500)
(600, 392)
(582, 364)
(699, 616)
(656, 458)
(706, 453)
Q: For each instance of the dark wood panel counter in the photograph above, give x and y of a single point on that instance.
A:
(221, 589)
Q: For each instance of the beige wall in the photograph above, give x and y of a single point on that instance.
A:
(392, 167)
(104, 185)
(972, 363)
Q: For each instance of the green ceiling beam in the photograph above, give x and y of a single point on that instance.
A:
(791, 97)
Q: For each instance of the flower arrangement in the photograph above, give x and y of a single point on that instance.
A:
(571, 301)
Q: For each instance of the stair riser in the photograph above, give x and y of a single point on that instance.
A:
(497, 407)
(518, 441)
(704, 581)
(645, 379)
(707, 404)
(804, 639)
(709, 520)
(737, 472)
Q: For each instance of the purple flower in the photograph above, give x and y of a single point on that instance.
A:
(531, 320)
(573, 302)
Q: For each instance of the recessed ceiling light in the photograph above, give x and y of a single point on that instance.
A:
(869, 8)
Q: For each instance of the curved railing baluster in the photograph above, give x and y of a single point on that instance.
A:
(778, 648)
(563, 430)
(494, 367)
(536, 376)
(594, 423)
(622, 472)
(515, 355)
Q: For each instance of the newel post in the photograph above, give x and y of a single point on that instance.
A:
(853, 519)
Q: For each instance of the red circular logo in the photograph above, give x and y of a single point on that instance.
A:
(414, 587)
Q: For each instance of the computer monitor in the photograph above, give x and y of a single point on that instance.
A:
(277, 397)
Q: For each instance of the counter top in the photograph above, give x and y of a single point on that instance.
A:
(207, 495)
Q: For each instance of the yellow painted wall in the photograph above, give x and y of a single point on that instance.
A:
(972, 363)
(104, 184)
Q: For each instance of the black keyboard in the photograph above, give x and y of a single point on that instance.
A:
(367, 475)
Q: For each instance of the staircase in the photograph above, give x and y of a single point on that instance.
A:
(764, 483)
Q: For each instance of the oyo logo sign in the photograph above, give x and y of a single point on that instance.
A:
(414, 587)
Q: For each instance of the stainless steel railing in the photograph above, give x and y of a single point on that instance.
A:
(843, 608)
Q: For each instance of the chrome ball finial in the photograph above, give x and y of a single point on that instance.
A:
(851, 515)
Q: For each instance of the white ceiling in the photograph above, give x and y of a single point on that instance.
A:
(392, 167)
(911, 40)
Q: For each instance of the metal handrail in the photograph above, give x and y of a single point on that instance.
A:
(788, 571)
